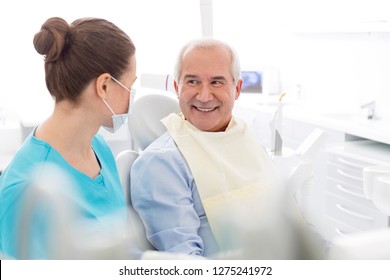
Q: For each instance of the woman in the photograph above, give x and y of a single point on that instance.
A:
(90, 67)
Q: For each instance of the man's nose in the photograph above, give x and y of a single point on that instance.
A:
(205, 93)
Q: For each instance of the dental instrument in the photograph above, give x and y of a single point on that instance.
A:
(276, 128)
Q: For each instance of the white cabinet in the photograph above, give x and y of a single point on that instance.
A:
(347, 208)
(337, 204)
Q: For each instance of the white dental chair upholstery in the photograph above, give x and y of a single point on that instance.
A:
(144, 121)
(145, 126)
(124, 161)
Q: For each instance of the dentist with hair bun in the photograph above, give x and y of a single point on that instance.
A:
(90, 68)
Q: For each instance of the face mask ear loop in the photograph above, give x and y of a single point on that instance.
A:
(119, 83)
(108, 106)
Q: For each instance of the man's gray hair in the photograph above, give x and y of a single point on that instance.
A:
(207, 43)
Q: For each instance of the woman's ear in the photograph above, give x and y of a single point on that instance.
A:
(101, 85)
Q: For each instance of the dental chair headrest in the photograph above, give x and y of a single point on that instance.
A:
(145, 119)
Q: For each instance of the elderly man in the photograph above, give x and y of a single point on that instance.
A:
(208, 169)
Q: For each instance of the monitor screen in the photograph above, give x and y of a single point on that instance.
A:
(252, 82)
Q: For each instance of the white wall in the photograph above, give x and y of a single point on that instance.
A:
(338, 69)
(342, 70)
(324, 46)
(158, 29)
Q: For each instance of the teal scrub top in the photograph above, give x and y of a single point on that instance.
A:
(96, 197)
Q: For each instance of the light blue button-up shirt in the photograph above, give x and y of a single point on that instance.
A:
(164, 194)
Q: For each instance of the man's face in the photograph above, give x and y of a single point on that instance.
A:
(206, 88)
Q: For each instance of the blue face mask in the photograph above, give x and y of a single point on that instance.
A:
(119, 120)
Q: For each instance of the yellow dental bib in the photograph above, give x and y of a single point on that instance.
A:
(230, 168)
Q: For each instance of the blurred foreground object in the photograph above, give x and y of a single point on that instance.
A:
(366, 245)
(281, 231)
(69, 234)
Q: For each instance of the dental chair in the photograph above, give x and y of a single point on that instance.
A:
(145, 126)
(124, 161)
(144, 120)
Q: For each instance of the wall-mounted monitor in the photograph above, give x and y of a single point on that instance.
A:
(260, 85)
(252, 82)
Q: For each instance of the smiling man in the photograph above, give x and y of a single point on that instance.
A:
(207, 172)
(207, 83)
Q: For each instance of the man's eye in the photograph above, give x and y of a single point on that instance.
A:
(217, 83)
(193, 82)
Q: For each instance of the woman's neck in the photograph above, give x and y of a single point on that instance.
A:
(70, 131)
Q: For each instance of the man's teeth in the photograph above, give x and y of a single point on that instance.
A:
(205, 109)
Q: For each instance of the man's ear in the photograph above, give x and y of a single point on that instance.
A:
(101, 85)
(238, 89)
(176, 86)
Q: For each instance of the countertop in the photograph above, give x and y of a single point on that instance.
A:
(355, 124)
